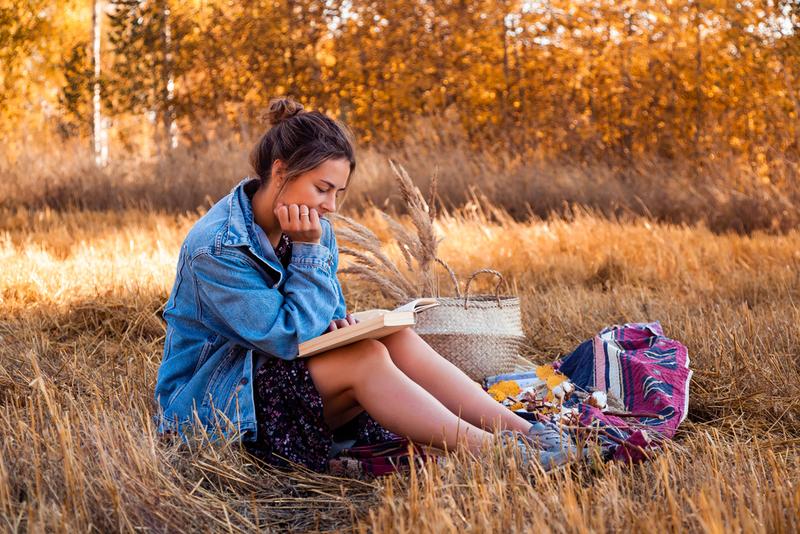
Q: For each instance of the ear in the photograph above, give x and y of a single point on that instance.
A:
(276, 173)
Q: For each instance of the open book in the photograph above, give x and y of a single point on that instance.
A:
(373, 324)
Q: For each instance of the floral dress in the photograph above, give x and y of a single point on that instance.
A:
(291, 427)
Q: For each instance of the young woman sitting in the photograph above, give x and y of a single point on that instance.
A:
(256, 276)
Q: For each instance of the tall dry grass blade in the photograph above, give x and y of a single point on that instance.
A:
(383, 266)
(387, 288)
(373, 247)
(364, 237)
(351, 236)
(354, 225)
(409, 244)
(451, 274)
(419, 212)
(432, 193)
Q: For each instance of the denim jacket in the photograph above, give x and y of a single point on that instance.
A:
(233, 304)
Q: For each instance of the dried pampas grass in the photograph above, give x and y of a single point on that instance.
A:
(419, 249)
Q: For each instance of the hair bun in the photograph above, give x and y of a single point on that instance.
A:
(281, 109)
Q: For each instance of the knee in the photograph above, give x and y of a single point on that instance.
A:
(407, 347)
(407, 335)
(352, 362)
(370, 348)
(370, 353)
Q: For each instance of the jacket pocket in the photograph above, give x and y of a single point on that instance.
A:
(205, 352)
(222, 381)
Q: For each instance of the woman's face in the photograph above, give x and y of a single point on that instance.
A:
(319, 188)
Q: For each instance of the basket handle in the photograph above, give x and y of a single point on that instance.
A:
(451, 273)
(496, 289)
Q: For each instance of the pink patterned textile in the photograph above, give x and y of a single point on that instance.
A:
(645, 376)
(644, 370)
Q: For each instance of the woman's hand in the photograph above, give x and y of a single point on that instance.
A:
(299, 222)
(341, 323)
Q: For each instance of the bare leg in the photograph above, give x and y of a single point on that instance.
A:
(362, 376)
(448, 383)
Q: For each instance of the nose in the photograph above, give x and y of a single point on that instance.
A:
(329, 206)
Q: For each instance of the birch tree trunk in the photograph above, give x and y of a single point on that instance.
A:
(699, 78)
(99, 137)
(170, 126)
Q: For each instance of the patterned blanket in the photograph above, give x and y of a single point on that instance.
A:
(645, 376)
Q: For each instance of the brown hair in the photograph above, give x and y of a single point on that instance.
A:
(302, 140)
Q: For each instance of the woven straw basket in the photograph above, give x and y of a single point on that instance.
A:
(479, 334)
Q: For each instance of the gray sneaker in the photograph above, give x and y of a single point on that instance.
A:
(556, 456)
(551, 437)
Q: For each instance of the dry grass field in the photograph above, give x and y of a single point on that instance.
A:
(81, 339)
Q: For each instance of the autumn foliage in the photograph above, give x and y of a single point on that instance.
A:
(583, 78)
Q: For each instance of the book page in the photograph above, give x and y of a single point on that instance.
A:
(418, 305)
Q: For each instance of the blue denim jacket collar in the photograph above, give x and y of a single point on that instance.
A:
(241, 230)
(240, 216)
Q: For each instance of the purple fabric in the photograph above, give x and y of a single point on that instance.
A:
(645, 370)
(375, 460)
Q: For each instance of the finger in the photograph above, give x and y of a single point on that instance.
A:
(282, 212)
(350, 319)
(304, 215)
(313, 217)
(341, 323)
(294, 213)
(332, 327)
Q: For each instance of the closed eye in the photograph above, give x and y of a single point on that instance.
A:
(339, 192)
(332, 186)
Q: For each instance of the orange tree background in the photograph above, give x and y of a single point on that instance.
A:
(674, 79)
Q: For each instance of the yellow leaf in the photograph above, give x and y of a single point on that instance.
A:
(555, 380)
(503, 389)
(550, 376)
(545, 371)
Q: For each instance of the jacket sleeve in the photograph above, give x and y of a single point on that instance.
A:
(341, 306)
(236, 300)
